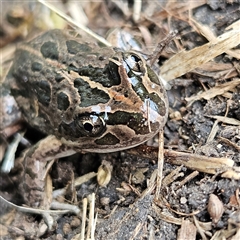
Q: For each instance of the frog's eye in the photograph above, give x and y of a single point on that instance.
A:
(135, 64)
(91, 125)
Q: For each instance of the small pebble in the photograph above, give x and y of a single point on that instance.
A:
(59, 237)
(75, 222)
(105, 201)
(20, 238)
(66, 228)
(183, 200)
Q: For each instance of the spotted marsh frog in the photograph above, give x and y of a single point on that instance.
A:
(84, 97)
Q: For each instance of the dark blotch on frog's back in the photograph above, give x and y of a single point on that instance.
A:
(155, 102)
(59, 77)
(107, 76)
(43, 91)
(50, 50)
(152, 75)
(89, 96)
(75, 47)
(63, 101)
(36, 67)
(134, 121)
(107, 139)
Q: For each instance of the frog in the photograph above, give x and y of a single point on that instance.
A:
(85, 97)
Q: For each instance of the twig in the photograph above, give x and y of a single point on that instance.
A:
(74, 23)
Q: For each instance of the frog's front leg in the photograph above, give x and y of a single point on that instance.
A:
(35, 161)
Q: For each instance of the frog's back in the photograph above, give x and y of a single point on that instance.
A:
(40, 76)
(91, 97)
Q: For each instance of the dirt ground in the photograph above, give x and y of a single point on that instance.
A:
(199, 191)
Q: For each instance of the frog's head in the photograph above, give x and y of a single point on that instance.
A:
(120, 112)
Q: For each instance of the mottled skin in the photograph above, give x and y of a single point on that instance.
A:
(85, 97)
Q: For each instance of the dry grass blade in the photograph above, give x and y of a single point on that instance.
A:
(77, 182)
(187, 231)
(227, 120)
(166, 216)
(91, 220)
(160, 163)
(215, 91)
(172, 176)
(213, 132)
(137, 10)
(211, 165)
(200, 163)
(46, 214)
(84, 218)
(32, 210)
(74, 23)
(186, 61)
(8, 161)
(187, 179)
(225, 140)
(210, 36)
